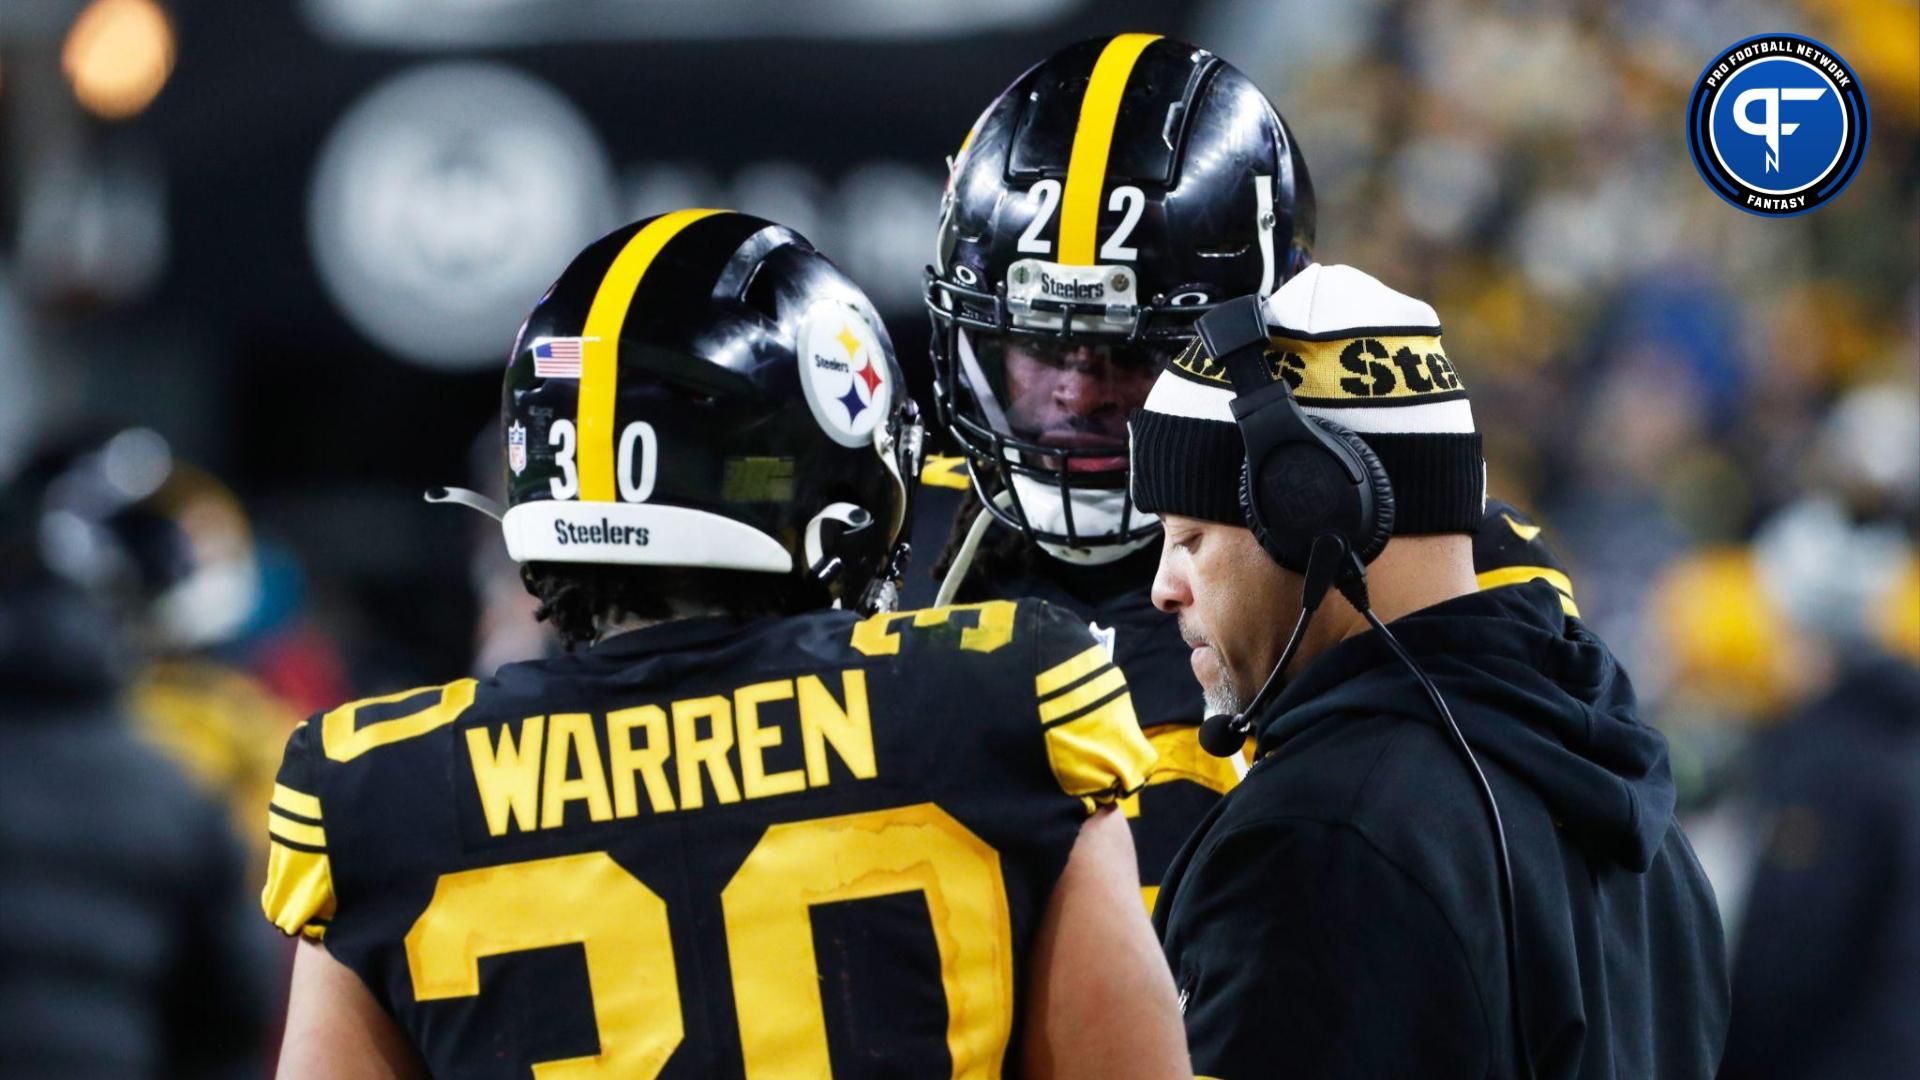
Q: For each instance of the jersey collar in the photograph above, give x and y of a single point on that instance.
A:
(672, 635)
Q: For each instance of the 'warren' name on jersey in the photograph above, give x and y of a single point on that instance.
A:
(805, 846)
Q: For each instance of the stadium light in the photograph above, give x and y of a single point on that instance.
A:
(117, 56)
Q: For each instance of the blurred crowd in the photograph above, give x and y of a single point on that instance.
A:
(1716, 417)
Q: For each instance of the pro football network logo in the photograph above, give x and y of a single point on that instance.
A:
(1777, 124)
(843, 372)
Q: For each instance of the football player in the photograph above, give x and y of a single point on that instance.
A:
(1100, 204)
(752, 824)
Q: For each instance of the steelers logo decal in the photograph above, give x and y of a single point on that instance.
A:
(844, 373)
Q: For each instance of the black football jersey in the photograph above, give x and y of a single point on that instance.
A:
(1115, 602)
(815, 846)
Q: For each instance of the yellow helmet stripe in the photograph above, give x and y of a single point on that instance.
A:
(1092, 139)
(600, 352)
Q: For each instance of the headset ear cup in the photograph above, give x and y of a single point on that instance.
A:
(1274, 545)
(1376, 534)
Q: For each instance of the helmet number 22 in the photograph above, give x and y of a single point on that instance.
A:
(1129, 200)
(638, 458)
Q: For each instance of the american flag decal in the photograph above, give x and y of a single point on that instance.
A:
(557, 358)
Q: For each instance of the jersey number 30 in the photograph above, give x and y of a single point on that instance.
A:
(623, 927)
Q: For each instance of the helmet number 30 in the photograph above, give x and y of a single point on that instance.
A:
(567, 484)
(1127, 199)
(638, 460)
(636, 477)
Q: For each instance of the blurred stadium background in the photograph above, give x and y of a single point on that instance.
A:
(294, 240)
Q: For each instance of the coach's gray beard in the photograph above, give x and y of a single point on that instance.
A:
(1220, 697)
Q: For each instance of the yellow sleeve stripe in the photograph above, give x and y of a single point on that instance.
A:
(1092, 142)
(1070, 671)
(1083, 695)
(1520, 575)
(1100, 754)
(295, 832)
(299, 889)
(294, 802)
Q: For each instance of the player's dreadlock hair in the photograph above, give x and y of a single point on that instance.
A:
(1004, 554)
(578, 599)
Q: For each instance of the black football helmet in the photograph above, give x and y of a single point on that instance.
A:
(1104, 201)
(165, 546)
(704, 389)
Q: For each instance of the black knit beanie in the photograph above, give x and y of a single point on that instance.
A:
(1355, 352)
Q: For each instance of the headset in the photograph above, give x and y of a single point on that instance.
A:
(1320, 504)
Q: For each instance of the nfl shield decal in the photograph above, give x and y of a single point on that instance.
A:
(517, 447)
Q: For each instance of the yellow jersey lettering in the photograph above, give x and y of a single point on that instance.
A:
(848, 729)
(754, 741)
(528, 779)
(570, 737)
(710, 752)
(508, 775)
(988, 625)
(649, 761)
(344, 738)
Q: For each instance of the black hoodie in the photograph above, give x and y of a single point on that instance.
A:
(1338, 915)
(129, 945)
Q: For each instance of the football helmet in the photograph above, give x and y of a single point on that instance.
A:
(164, 544)
(1104, 201)
(704, 389)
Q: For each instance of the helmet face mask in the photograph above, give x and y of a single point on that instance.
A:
(1061, 401)
(1100, 205)
(704, 390)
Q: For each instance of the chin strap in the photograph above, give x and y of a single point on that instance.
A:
(963, 559)
(472, 500)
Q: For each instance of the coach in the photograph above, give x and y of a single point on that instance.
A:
(1344, 912)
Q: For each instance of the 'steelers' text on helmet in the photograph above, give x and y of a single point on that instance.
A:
(704, 389)
(1104, 201)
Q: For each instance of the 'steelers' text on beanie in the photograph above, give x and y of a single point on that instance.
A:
(1354, 352)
